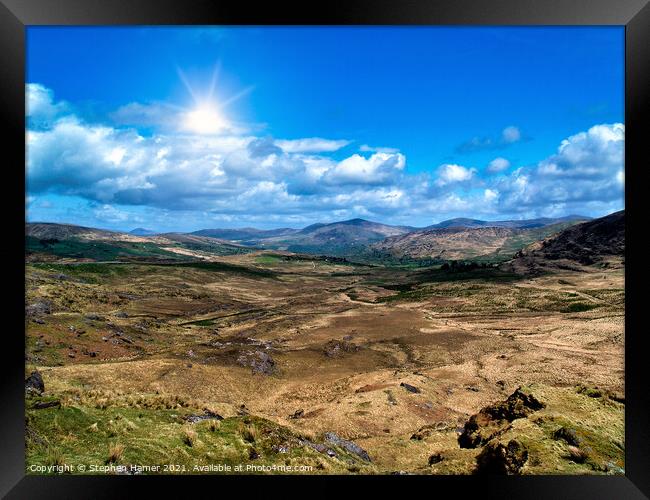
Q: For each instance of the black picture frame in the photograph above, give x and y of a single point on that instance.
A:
(15, 15)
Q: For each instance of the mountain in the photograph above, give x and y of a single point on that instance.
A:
(51, 231)
(599, 241)
(524, 223)
(244, 234)
(50, 241)
(459, 242)
(141, 231)
(337, 238)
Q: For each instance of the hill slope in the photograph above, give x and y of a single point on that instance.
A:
(455, 242)
(588, 243)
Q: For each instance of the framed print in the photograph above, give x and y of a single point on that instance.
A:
(377, 243)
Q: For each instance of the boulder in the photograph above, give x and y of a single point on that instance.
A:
(337, 348)
(38, 308)
(493, 420)
(435, 458)
(34, 383)
(503, 459)
(410, 388)
(568, 435)
(349, 446)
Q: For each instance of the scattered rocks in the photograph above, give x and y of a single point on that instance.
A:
(38, 308)
(34, 383)
(297, 414)
(435, 458)
(337, 348)
(568, 435)
(207, 415)
(259, 361)
(497, 458)
(410, 388)
(349, 446)
(493, 420)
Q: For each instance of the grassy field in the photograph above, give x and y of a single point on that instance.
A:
(288, 350)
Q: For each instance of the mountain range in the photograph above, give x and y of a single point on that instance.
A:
(454, 239)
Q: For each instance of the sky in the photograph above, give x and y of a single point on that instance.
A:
(184, 128)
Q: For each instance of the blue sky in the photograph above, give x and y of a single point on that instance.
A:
(406, 125)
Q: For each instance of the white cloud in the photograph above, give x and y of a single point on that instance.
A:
(510, 134)
(234, 177)
(371, 149)
(356, 169)
(311, 145)
(498, 165)
(40, 107)
(452, 173)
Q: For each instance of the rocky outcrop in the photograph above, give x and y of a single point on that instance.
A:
(493, 420)
(503, 459)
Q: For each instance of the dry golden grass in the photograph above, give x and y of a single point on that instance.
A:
(115, 452)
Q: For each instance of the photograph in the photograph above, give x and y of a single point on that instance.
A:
(324, 250)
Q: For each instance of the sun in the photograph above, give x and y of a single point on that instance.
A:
(205, 119)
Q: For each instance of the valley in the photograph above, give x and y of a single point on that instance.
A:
(194, 350)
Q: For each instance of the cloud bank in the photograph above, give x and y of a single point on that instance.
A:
(121, 172)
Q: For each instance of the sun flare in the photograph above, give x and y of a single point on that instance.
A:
(205, 119)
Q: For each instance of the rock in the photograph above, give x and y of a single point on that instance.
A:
(410, 388)
(501, 384)
(337, 348)
(207, 415)
(34, 383)
(38, 321)
(259, 361)
(497, 458)
(493, 420)
(38, 308)
(121, 314)
(472, 388)
(578, 455)
(41, 405)
(252, 454)
(435, 458)
(429, 429)
(568, 435)
(349, 446)
(94, 317)
(298, 414)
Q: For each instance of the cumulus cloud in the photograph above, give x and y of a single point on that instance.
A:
(452, 173)
(379, 168)
(587, 168)
(40, 107)
(498, 165)
(121, 172)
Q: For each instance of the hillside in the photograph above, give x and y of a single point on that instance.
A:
(337, 238)
(595, 242)
(46, 241)
(523, 223)
(455, 243)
